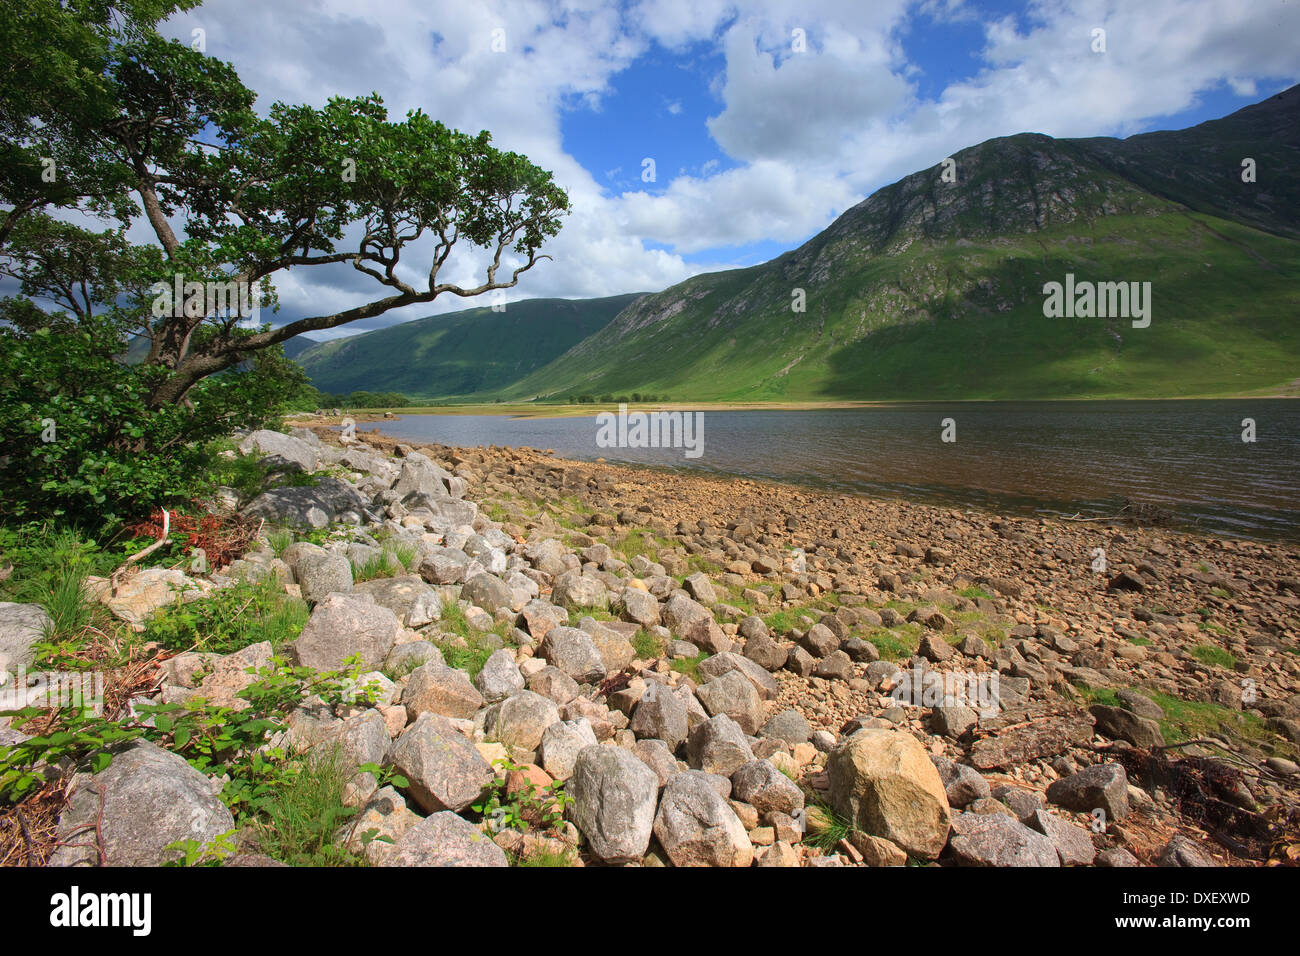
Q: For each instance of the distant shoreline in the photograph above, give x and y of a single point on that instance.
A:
(533, 410)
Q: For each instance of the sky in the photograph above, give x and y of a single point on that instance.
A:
(761, 121)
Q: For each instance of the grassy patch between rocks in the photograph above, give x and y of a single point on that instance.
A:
(639, 541)
(230, 619)
(299, 820)
(547, 858)
(1189, 720)
(1216, 656)
(647, 645)
(1192, 720)
(464, 647)
(897, 643)
(50, 569)
(826, 828)
(690, 666)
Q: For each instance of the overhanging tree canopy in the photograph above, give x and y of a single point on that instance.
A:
(132, 123)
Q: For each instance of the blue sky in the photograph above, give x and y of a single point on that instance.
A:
(756, 147)
(664, 98)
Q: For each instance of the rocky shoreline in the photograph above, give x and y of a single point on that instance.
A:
(704, 671)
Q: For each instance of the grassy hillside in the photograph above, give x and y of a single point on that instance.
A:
(930, 289)
(473, 352)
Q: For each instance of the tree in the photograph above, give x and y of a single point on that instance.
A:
(103, 117)
(54, 90)
(151, 126)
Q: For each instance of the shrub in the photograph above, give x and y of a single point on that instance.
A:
(79, 441)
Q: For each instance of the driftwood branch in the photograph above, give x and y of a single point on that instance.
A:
(141, 555)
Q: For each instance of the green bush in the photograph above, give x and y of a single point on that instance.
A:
(77, 437)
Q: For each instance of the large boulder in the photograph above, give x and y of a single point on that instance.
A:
(614, 797)
(21, 627)
(961, 783)
(444, 566)
(309, 506)
(573, 589)
(368, 463)
(639, 607)
(659, 714)
(435, 688)
(442, 767)
(361, 740)
(440, 513)
(322, 574)
(718, 745)
(232, 673)
(995, 839)
(765, 652)
(1024, 743)
(145, 800)
(553, 683)
(386, 815)
(1120, 724)
(883, 782)
(616, 651)
(820, 640)
(404, 658)
(342, 626)
(414, 602)
(1181, 851)
(539, 617)
(701, 588)
(138, 596)
(499, 677)
(693, 622)
(789, 726)
(282, 452)
(732, 694)
(1073, 844)
(520, 720)
(561, 743)
(487, 591)
(574, 652)
(419, 474)
(654, 753)
(697, 827)
(719, 664)
(1103, 786)
(767, 789)
(445, 839)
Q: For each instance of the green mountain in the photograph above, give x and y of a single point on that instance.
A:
(473, 352)
(931, 289)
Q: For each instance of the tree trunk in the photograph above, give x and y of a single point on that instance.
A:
(193, 369)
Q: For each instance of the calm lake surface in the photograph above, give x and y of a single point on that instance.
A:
(1009, 457)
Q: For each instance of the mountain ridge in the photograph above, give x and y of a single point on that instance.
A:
(928, 288)
(895, 282)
